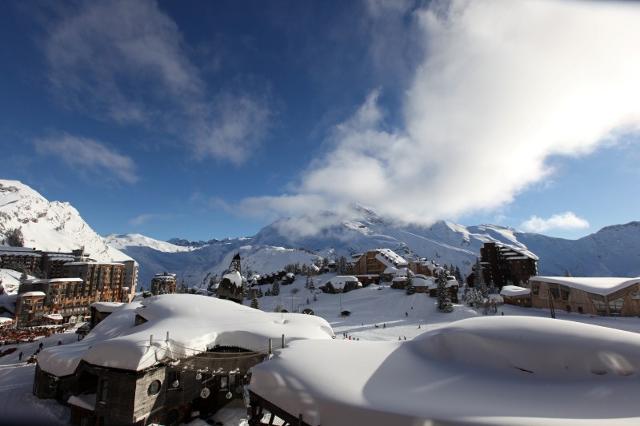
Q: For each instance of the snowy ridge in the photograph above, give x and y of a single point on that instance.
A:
(123, 241)
(49, 225)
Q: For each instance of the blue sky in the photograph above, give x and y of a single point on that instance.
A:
(209, 119)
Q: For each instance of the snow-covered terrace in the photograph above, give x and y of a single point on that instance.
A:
(489, 370)
(194, 324)
(596, 285)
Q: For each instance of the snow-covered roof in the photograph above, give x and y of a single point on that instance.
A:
(55, 317)
(106, 306)
(32, 293)
(94, 263)
(474, 371)
(234, 277)
(504, 248)
(195, 323)
(514, 291)
(390, 258)
(340, 280)
(597, 285)
(422, 281)
(54, 280)
(391, 270)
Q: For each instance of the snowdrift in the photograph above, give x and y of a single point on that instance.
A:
(498, 370)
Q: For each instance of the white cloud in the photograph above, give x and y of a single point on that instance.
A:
(560, 221)
(88, 155)
(504, 85)
(144, 218)
(127, 62)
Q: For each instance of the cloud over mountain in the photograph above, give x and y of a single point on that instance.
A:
(503, 87)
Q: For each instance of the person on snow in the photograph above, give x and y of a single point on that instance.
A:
(20, 356)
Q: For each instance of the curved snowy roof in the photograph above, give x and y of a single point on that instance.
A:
(195, 323)
(514, 291)
(487, 370)
(597, 285)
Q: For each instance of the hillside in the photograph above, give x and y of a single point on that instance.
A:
(49, 225)
(614, 250)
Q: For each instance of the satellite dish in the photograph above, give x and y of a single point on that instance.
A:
(204, 393)
(229, 395)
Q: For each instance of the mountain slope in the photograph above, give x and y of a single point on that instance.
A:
(121, 241)
(49, 225)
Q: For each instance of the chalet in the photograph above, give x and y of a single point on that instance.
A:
(166, 360)
(515, 295)
(507, 265)
(377, 261)
(341, 284)
(423, 267)
(587, 295)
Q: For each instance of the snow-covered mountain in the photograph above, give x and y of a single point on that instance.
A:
(614, 250)
(49, 225)
(122, 241)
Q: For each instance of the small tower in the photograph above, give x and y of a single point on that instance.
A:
(235, 264)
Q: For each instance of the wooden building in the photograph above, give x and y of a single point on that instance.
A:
(516, 295)
(30, 308)
(609, 296)
(507, 265)
(70, 297)
(128, 376)
(376, 261)
(104, 280)
(164, 283)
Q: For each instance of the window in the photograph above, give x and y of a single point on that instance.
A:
(598, 303)
(154, 387)
(535, 288)
(174, 379)
(615, 306)
(554, 292)
(104, 390)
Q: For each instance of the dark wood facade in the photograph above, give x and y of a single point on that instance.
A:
(502, 265)
(168, 394)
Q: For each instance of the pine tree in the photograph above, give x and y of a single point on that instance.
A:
(458, 275)
(275, 289)
(254, 302)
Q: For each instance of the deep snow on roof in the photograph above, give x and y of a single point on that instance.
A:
(54, 280)
(597, 285)
(514, 291)
(486, 370)
(106, 306)
(390, 258)
(195, 323)
(234, 277)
